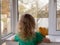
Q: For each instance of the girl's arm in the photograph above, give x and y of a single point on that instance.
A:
(45, 40)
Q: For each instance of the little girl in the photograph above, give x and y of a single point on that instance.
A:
(26, 32)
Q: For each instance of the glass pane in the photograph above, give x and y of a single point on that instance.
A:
(5, 18)
(58, 15)
(38, 9)
(42, 16)
(27, 6)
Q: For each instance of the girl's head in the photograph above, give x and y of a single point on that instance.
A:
(26, 26)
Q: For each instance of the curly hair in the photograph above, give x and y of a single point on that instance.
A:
(26, 27)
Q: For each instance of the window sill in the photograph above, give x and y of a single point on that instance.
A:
(54, 38)
(8, 37)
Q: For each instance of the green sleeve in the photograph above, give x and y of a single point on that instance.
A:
(39, 37)
(16, 38)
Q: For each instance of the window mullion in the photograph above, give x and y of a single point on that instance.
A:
(0, 21)
(13, 15)
(52, 17)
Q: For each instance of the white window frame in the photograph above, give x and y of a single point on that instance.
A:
(0, 22)
(52, 18)
(14, 13)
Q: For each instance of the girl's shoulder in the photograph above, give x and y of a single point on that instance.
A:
(38, 33)
(39, 37)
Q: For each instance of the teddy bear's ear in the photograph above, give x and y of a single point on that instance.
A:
(40, 27)
(43, 31)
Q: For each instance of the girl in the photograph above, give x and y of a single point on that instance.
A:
(26, 32)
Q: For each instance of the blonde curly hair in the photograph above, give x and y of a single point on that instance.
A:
(26, 27)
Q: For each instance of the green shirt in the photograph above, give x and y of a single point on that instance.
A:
(34, 41)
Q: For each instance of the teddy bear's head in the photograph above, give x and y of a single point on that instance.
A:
(43, 31)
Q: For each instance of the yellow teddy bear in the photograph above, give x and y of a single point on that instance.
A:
(43, 31)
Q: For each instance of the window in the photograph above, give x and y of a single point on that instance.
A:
(54, 17)
(5, 18)
(8, 19)
(27, 6)
(37, 8)
(58, 15)
(43, 13)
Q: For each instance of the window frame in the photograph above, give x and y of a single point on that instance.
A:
(14, 12)
(52, 18)
(0, 22)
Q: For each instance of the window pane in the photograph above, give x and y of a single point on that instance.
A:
(37, 8)
(5, 18)
(27, 6)
(58, 14)
(42, 16)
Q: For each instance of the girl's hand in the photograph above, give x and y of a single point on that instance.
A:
(46, 40)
